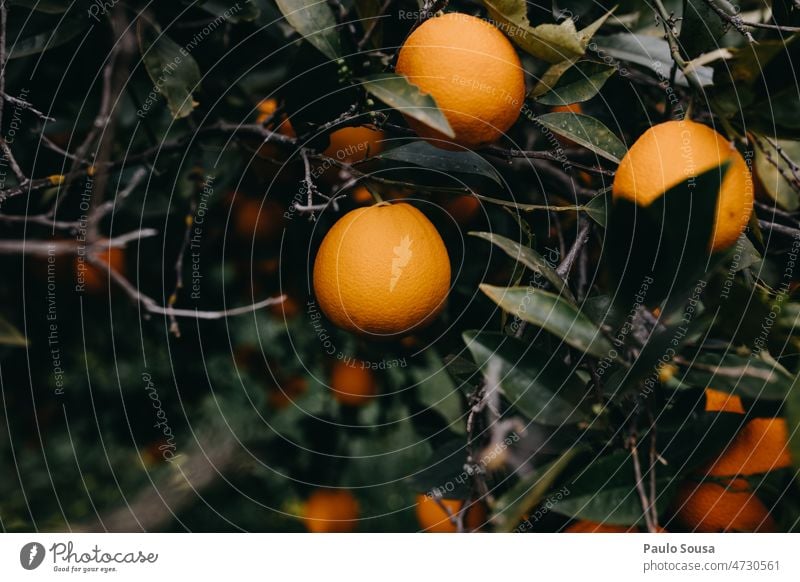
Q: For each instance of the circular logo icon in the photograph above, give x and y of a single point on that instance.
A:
(31, 555)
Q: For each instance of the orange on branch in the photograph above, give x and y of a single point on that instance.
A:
(331, 511)
(672, 152)
(711, 507)
(473, 73)
(382, 270)
(437, 516)
(353, 385)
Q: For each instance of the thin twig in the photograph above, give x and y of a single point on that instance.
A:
(21, 103)
(545, 155)
(637, 470)
(373, 25)
(69, 247)
(780, 228)
(740, 24)
(580, 240)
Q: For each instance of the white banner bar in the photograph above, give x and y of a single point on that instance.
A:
(399, 557)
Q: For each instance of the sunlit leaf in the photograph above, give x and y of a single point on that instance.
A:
(552, 313)
(586, 131)
(530, 258)
(425, 155)
(397, 92)
(172, 69)
(314, 20)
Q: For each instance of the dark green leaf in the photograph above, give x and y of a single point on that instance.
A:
(170, 66)
(10, 336)
(792, 405)
(536, 383)
(530, 258)
(586, 131)
(701, 27)
(437, 391)
(605, 492)
(397, 92)
(529, 492)
(47, 6)
(663, 249)
(552, 313)
(579, 84)
(444, 472)
(748, 376)
(232, 10)
(314, 20)
(648, 51)
(66, 30)
(425, 155)
(773, 179)
(597, 208)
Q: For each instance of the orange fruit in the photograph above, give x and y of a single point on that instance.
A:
(571, 108)
(266, 109)
(288, 309)
(717, 401)
(670, 153)
(254, 220)
(354, 144)
(361, 195)
(281, 396)
(382, 270)
(463, 209)
(95, 279)
(710, 507)
(586, 526)
(330, 511)
(352, 385)
(473, 73)
(435, 516)
(760, 446)
(281, 125)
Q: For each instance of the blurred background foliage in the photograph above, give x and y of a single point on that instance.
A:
(92, 380)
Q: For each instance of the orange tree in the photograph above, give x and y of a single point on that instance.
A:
(364, 265)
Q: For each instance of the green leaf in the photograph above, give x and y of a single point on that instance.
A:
(605, 491)
(437, 391)
(663, 249)
(598, 207)
(67, 29)
(397, 92)
(579, 84)
(552, 313)
(443, 472)
(232, 10)
(10, 336)
(530, 258)
(792, 406)
(550, 42)
(586, 131)
(46, 6)
(314, 20)
(748, 376)
(701, 27)
(648, 51)
(536, 383)
(773, 179)
(551, 76)
(425, 155)
(170, 66)
(529, 492)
